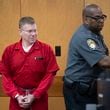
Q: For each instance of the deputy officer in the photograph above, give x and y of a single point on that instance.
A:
(87, 60)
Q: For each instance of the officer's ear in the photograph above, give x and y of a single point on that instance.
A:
(86, 20)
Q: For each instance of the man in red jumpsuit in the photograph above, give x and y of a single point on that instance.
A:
(30, 67)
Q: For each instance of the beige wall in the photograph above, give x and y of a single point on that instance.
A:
(9, 15)
(56, 19)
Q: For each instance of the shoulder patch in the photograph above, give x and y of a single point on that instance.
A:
(91, 43)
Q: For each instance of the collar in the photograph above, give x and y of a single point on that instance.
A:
(18, 45)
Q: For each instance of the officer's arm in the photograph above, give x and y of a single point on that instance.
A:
(104, 62)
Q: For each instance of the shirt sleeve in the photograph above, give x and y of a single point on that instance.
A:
(44, 85)
(90, 50)
(8, 86)
(7, 82)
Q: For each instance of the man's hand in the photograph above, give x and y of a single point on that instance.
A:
(23, 102)
(29, 98)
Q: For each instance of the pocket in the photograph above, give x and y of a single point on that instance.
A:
(83, 88)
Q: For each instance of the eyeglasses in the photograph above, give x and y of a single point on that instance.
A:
(29, 31)
(98, 18)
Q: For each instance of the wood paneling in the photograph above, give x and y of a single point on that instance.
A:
(2, 94)
(4, 103)
(56, 103)
(9, 15)
(56, 88)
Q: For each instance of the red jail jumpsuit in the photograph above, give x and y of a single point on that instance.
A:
(33, 71)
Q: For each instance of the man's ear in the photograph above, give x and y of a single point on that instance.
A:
(20, 32)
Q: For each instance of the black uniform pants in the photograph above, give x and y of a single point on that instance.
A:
(77, 96)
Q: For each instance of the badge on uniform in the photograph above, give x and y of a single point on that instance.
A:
(91, 43)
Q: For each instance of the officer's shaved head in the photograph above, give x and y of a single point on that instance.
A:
(90, 9)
